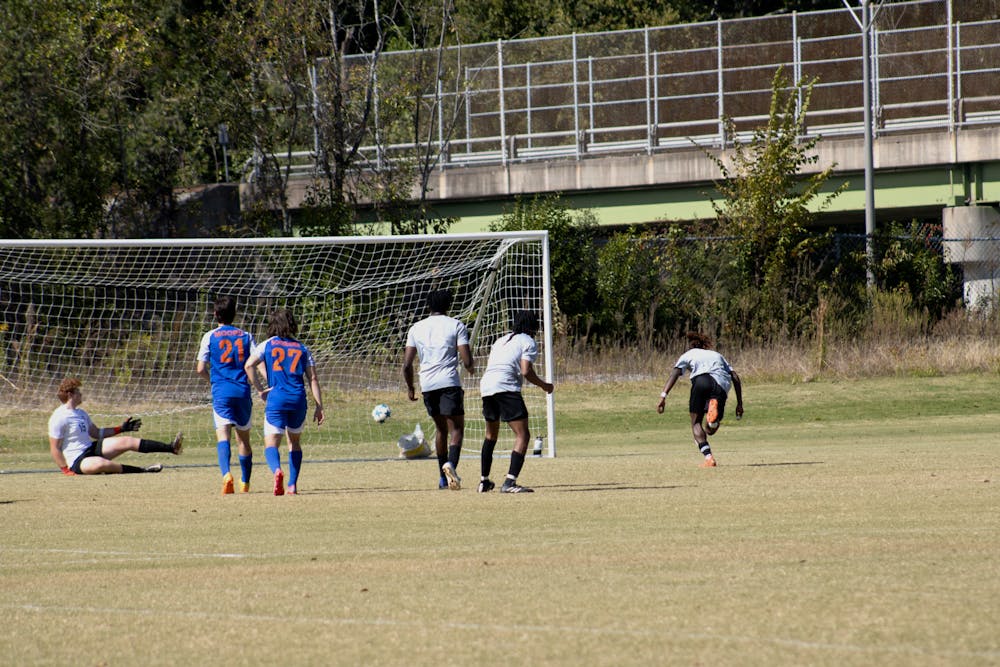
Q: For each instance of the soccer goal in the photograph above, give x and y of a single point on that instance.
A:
(126, 317)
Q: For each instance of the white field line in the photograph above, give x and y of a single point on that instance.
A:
(420, 625)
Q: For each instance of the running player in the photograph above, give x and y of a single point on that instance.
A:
(711, 377)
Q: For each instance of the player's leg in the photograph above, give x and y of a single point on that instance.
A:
(491, 415)
(521, 436)
(701, 391)
(452, 406)
(295, 424)
(274, 428)
(245, 454)
(432, 404)
(515, 413)
(223, 451)
(111, 448)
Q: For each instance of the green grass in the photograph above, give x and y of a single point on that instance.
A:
(849, 523)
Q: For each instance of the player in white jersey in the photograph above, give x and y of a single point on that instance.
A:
(511, 361)
(440, 342)
(711, 379)
(79, 447)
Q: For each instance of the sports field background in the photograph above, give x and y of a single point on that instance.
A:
(849, 523)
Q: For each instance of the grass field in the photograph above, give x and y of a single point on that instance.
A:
(849, 523)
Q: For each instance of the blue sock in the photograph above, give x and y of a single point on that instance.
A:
(273, 458)
(224, 452)
(294, 463)
(246, 467)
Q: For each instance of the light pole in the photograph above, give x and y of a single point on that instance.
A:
(866, 23)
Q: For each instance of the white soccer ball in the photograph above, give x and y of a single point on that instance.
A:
(381, 412)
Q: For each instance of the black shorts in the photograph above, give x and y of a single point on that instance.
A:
(446, 402)
(507, 406)
(93, 450)
(703, 389)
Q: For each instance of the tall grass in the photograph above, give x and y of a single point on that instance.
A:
(898, 339)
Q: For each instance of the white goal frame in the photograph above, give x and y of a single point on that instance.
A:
(147, 274)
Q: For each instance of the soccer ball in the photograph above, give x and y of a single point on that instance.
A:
(381, 412)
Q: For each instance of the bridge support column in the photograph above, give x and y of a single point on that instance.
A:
(972, 240)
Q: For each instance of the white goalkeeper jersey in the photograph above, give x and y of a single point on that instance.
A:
(503, 370)
(73, 426)
(436, 339)
(699, 362)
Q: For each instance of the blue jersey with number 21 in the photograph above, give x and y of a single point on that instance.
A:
(226, 348)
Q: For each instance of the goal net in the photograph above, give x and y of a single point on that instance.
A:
(127, 317)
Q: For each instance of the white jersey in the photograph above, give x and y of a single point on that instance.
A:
(700, 361)
(72, 425)
(503, 370)
(436, 339)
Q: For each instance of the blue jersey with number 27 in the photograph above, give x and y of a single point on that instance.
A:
(286, 360)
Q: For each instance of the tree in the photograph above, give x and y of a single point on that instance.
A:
(572, 253)
(766, 210)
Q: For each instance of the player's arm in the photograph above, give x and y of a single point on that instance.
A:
(409, 355)
(130, 424)
(671, 381)
(202, 370)
(465, 354)
(738, 388)
(317, 392)
(251, 368)
(55, 449)
(528, 371)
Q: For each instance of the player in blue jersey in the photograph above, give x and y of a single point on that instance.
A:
(221, 359)
(289, 365)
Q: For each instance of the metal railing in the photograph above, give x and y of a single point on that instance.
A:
(935, 64)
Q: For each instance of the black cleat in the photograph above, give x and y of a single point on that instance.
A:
(511, 486)
(485, 486)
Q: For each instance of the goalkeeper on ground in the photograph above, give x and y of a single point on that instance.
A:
(80, 448)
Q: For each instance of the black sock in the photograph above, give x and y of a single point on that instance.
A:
(442, 459)
(704, 448)
(486, 457)
(147, 446)
(454, 454)
(516, 462)
(131, 470)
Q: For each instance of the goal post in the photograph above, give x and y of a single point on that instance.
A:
(127, 317)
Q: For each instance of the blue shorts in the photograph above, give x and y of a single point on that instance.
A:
(276, 422)
(235, 411)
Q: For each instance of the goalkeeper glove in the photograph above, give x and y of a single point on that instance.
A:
(66, 471)
(131, 424)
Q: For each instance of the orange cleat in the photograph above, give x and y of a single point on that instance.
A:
(713, 413)
(709, 462)
(228, 487)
